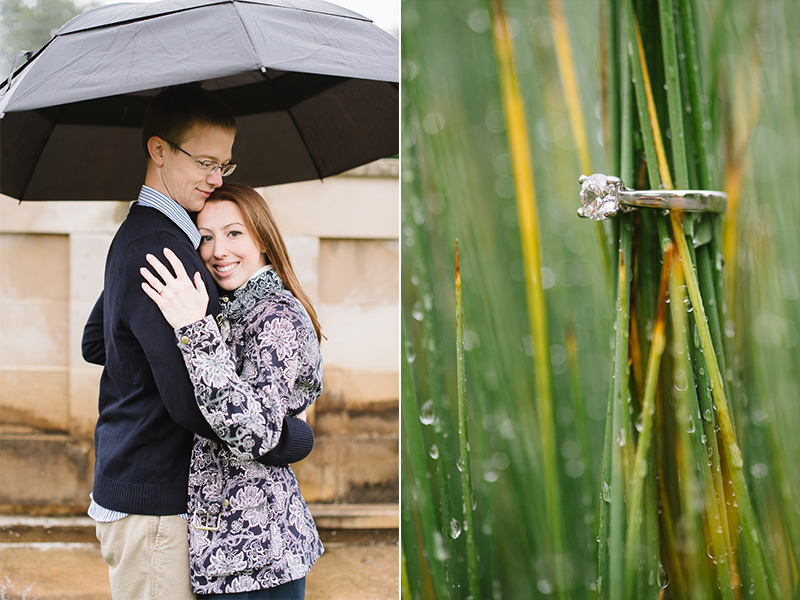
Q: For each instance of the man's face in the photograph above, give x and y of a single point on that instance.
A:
(181, 176)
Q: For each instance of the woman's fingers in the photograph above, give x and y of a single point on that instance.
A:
(160, 268)
(200, 285)
(177, 265)
(154, 281)
(150, 291)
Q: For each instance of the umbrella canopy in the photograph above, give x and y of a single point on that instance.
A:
(313, 87)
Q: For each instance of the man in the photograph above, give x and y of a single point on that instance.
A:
(148, 413)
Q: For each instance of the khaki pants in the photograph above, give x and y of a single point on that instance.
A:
(147, 557)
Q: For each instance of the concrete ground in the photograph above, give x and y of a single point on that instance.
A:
(40, 561)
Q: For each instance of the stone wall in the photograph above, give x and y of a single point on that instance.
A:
(342, 236)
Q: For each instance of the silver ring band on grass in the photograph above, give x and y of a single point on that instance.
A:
(603, 196)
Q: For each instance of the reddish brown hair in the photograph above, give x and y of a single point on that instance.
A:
(266, 235)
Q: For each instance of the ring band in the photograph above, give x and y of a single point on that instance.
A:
(603, 196)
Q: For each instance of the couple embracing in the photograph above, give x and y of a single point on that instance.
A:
(211, 355)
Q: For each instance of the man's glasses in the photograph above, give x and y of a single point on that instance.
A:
(208, 167)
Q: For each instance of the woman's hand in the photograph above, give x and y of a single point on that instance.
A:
(181, 301)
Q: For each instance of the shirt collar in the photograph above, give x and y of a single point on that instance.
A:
(174, 211)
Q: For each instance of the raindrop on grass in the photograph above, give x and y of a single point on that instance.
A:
(544, 586)
(426, 414)
(411, 352)
(606, 492)
(434, 451)
(691, 424)
(663, 577)
(707, 415)
(416, 312)
(681, 381)
(455, 529)
(622, 438)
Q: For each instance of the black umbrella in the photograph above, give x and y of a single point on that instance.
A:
(313, 87)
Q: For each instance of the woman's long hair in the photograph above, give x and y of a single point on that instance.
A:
(267, 237)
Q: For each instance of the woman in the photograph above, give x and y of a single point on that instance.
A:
(250, 529)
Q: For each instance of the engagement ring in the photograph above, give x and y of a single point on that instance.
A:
(603, 196)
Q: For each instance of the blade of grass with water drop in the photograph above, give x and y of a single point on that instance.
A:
(463, 439)
(636, 508)
(425, 536)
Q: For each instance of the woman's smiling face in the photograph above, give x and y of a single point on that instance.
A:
(226, 246)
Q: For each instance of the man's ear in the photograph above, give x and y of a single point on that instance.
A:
(156, 148)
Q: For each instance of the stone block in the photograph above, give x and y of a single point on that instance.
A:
(34, 266)
(358, 402)
(34, 332)
(363, 338)
(35, 398)
(84, 387)
(304, 253)
(61, 217)
(87, 260)
(351, 469)
(359, 271)
(45, 473)
(339, 207)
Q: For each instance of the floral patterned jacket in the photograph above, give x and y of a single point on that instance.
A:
(249, 527)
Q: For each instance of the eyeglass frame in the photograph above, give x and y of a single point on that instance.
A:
(202, 163)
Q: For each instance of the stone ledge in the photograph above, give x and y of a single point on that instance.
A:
(356, 516)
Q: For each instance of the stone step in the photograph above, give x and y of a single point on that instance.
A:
(80, 529)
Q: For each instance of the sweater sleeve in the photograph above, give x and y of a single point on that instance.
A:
(247, 411)
(93, 347)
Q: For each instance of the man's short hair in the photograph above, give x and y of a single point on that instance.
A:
(175, 110)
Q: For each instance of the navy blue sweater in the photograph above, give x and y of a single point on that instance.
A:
(148, 412)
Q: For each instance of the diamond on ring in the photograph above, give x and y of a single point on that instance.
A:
(599, 196)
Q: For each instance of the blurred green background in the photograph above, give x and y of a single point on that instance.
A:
(458, 183)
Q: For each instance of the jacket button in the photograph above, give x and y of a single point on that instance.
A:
(184, 340)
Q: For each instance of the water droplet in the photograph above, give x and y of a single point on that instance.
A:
(663, 577)
(606, 492)
(426, 414)
(411, 352)
(455, 529)
(681, 381)
(460, 464)
(640, 423)
(416, 312)
(707, 415)
(622, 438)
(491, 476)
(434, 451)
(544, 586)
(691, 424)
(710, 553)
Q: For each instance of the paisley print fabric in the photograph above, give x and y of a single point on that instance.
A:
(249, 527)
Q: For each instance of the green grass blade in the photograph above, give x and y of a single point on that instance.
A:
(463, 439)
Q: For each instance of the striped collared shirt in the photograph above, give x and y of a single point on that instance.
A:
(176, 213)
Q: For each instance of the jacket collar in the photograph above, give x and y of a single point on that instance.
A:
(237, 303)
